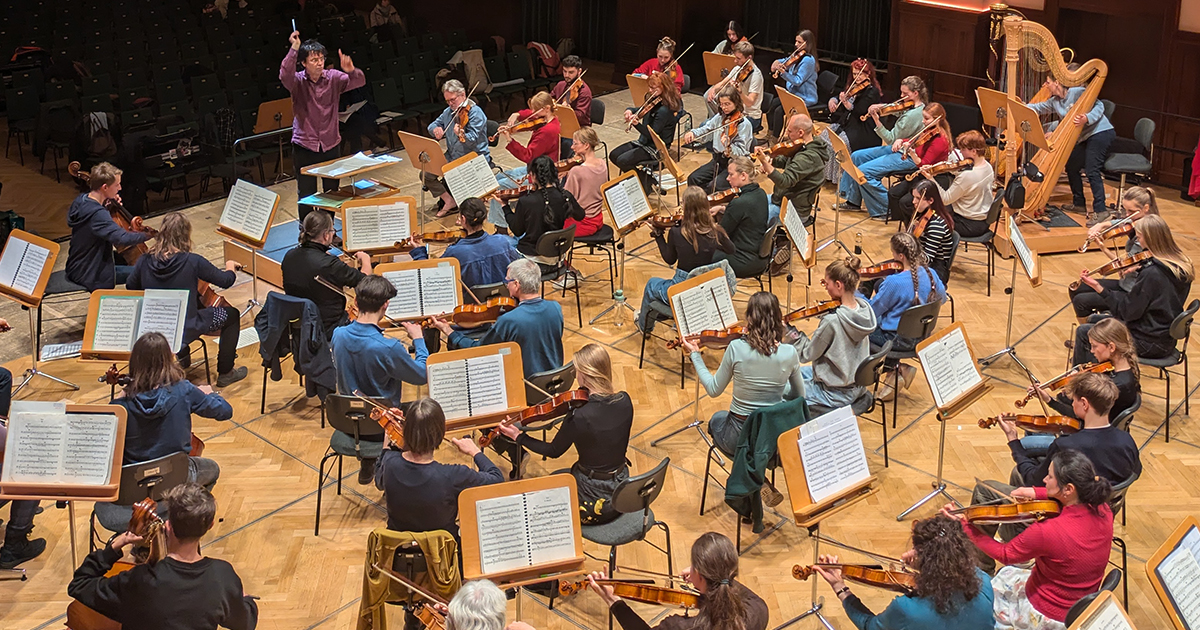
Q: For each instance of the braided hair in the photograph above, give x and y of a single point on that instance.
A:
(545, 175)
(904, 244)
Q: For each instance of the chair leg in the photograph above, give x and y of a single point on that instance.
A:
(578, 304)
(642, 355)
(339, 479)
(1167, 419)
(207, 371)
(883, 413)
(682, 369)
(612, 567)
(667, 533)
(262, 407)
(737, 526)
(321, 482)
(707, 468)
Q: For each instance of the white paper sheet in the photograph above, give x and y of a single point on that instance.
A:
(53, 351)
(793, 224)
(469, 387)
(1180, 575)
(1109, 617)
(525, 530)
(832, 452)
(422, 292)
(1018, 244)
(471, 179)
(348, 164)
(627, 202)
(21, 265)
(248, 210)
(376, 227)
(60, 448)
(708, 306)
(949, 367)
(551, 518)
(116, 323)
(163, 311)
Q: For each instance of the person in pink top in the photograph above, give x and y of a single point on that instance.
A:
(315, 92)
(584, 182)
(1071, 550)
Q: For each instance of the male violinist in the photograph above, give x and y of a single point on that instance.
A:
(482, 257)
(750, 89)
(94, 233)
(579, 100)
(797, 177)
(447, 126)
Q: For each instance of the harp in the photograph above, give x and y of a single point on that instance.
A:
(1032, 55)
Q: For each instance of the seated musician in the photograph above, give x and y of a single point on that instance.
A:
(1109, 341)
(1155, 296)
(478, 605)
(18, 547)
(763, 371)
(572, 67)
(879, 161)
(725, 603)
(160, 402)
(846, 112)
(734, 33)
(546, 208)
(543, 140)
(185, 585)
(750, 91)
(744, 219)
(584, 182)
(599, 430)
(171, 264)
(951, 590)
(535, 324)
(94, 233)
(800, 78)
(642, 154)
(689, 245)
(731, 135)
(371, 362)
(301, 266)
(970, 194)
(446, 127)
(899, 194)
(1091, 148)
(422, 494)
(665, 56)
(1137, 202)
(482, 257)
(841, 341)
(913, 285)
(798, 177)
(1070, 550)
(937, 238)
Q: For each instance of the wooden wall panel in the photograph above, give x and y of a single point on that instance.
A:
(952, 41)
(1181, 96)
(639, 27)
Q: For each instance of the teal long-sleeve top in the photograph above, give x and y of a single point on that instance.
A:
(909, 612)
(907, 126)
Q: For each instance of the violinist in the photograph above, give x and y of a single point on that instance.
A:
(599, 430)
(937, 235)
(642, 154)
(731, 135)
(371, 362)
(94, 233)
(689, 245)
(542, 141)
(725, 603)
(584, 182)
(799, 78)
(482, 256)
(903, 157)
(302, 264)
(923, 150)
(951, 591)
(160, 401)
(915, 284)
(478, 605)
(880, 161)
(744, 219)
(841, 341)
(664, 56)
(1110, 342)
(734, 33)
(447, 127)
(1154, 299)
(797, 177)
(579, 100)
(852, 103)
(544, 209)
(1137, 202)
(185, 585)
(171, 264)
(1070, 550)
(970, 194)
(749, 86)
(763, 371)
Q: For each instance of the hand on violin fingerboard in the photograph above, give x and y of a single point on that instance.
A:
(948, 511)
(414, 330)
(1023, 494)
(605, 592)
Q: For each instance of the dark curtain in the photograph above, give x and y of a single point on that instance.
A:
(540, 21)
(597, 34)
(775, 21)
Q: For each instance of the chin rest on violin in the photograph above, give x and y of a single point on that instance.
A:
(899, 580)
(646, 593)
(1024, 512)
(1034, 423)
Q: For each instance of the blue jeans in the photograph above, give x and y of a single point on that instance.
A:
(725, 430)
(656, 291)
(1037, 445)
(773, 211)
(495, 210)
(875, 163)
(1088, 156)
(817, 393)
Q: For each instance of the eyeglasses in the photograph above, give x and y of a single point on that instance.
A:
(507, 280)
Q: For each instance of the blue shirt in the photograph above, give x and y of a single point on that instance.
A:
(894, 295)
(482, 257)
(375, 364)
(917, 613)
(475, 133)
(801, 79)
(160, 420)
(536, 325)
(1096, 120)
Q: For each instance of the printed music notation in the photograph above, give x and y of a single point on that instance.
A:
(121, 320)
(707, 306)
(376, 227)
(423, 291)
(22, 264)
(949, 367)
(473, 178)
(1180, 576)
(832, 452)
(248, 210)
(627, 202)
(526, 529)
(49, 448)
(469, 387)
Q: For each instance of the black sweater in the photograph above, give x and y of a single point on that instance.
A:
(169, 595)
(676, 250)
(424, 497)
(1149, 307)
(182, 270)
(302, 264)
(541, 211)
(745, 220)
(1127, 391)
(662, 120)
(94, 233)
(1112, 451)
(860, 133)
(599, 430)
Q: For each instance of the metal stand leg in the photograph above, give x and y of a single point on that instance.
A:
(618, 298)
(253, 284)
(33, 356)
(74, 545)
(694, 424)
(818, 603)
(1009, 347)
(939, 485)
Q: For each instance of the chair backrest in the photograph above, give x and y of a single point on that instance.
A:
(867, 373)
(352, 415)
(637, 493)
(553, 382)
(954, 241)
(496, 71)
(917, 322)
(1143, 132)
(768, 242)
(826, 80)
(687, 83)
(1110, 584)
(556, 243)
(993, 215)
(1181, 328)
(493, 132)
(597, 111)
(1125, 418)
(1109, 108)
(1116, 500)
(152, 479)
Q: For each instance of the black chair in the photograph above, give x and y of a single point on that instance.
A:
(660, 312)
(149, 479)
(520, 66)
(1125, 164)
(826, 89)
(596, 112)
(1109, 584)
(542, 386)
(987, 239)
(916, 323)
(954, 241)
(605, 240)
(1181, 330)
(1125, 418)
(59, 118)
(765, 247)
(1117, 502)
(557, 245)
(22, 112)
(866, 375)
(350, 418)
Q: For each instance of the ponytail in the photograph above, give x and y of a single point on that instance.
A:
(716, 560)
(1074, 468)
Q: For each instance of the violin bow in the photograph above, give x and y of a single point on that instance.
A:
(410, 585)
(465, 101)
(677, 57)
(332, 287)
(468, 290)
(908, 142)
(567, 91)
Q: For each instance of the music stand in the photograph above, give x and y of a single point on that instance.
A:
(791, 104)
(800, 239)
(1109, 612)
(272, 116)
(514, 383)
(235, 234)
(1033, 270)
(717, 66)
(353, 242)
(841, 153)
(32, 301)
(638, 88)
(568, 121)
(425, 155)
(1172, 545)
(625, 182)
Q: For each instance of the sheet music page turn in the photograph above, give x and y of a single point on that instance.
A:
(439, 289)
(793, 223)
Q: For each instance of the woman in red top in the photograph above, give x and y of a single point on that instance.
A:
(666, 54)
(935, 149)
(542, 141)
(1071, 550)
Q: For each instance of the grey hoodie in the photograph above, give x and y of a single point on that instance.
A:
(838, 345)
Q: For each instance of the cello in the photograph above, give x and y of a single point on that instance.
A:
(121, 217)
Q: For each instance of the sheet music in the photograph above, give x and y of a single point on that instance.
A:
(1018, 244)
(21, 265)
(707, 306)
(60, 448)
(627, 202)
(469, 387)
(1180, 575)
(53, 351)
(1109, 617)
(348, 164)
(949, 367)
(448, 386)
(793, 224)
(423, 291)
(248, 210)
(407, 303)
(376, 227)
(116, 323)
(473, 178)
(163, 310)
(525, 529)
(88, 448)
(832, 452)
(551, 522)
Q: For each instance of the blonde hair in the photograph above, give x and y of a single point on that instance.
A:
(594, 369)
(174, 236)
(1112, 330)
(103, 174)
(540, 100)
(743, 163)
(588, 136)
(1154, 234)
(1143, 196)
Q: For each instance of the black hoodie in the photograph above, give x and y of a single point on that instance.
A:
(93, 235)
(182, 270)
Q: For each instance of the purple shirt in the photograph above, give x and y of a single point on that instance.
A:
(315, 103)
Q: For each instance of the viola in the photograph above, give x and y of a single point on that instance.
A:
(824, 306)
(1120, 228)
(715, 339)
(121, 217)
(572, 92)
(792, 59)
(942, 167)
(1035, 424)
(898, 580)
(882, 269)
(648, 106)
(472, 315)
(721, 196)
(565, 165)
(113, 377)
(392, 421)
(1061, 380)
(665, 222)
(430, 617)
(645, 593)
(550, 409)
(1024, 512)
(894, 107)
(1114, 266)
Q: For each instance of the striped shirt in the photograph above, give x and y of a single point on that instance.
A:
(937, 240)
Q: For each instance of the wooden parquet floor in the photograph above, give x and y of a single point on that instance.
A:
(267, 490)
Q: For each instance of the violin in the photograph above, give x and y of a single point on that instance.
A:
(918, 225)
(645, 593)
(430, 617)
(712, 338)
(576, 85)
(1120, 228)
(1024, 512)
(504, 195)
(648, 106)
(721, 196)
(1059, 381)
(894, 107)
(461, 120)
(824, 306)
(882, 269)
(565, 165)
(665, 222)
(392, 421)
(472, 315)
(113, 377)
(121, 217)
(858, 87)
(731, 128)
(527, 124)
(796, 56)
(898, 580)
(923, 136)
(441, 236)
(1035, 424)
(785, 148)
(550, 409)
(942, 167)
(1116, 265)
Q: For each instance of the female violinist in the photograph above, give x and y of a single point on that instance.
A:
(1153, 301)
(734, 33)
(664, 62)
(970, 195)
(846, 111)
(799, 73)
(894, 295)
(172, 265)
(841, 340)
(929, 148)
(951, 591)
(936, 225)
(763, 371)
(749, 86)
(731, 135)
(1110, 342)
(94, 233)
(744, 218)
(1070, 550)
(543, 141)
(689, 245)
(599, 430)
(661, 118)
(1137, 202)
(584, 182)
(725, 603)
(543, 209)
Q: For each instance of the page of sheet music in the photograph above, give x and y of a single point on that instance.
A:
(1018, 243)
(503, 534)
(1180, 575)
(348, 164)
(439, 289)
(469, 387)
(949, 367)
(248, 210)
(1108, 617)
(551, 520)
(34, 448)
(448, 386)
(793, 223)
(21, 265)
(832, 452)
(627, 202)
(163, 310)
(487, 384)
(707, 306)
(375, 227)
(471, 179)
(88, 448)
(116, 323)
(407, 303)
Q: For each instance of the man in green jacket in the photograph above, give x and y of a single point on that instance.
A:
(798, 177)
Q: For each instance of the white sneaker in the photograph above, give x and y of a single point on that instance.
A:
(566, 282)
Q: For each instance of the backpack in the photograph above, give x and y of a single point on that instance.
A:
(101, 145)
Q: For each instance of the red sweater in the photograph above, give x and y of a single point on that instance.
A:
(582, 105)
(652, 65)
(934, 151)
(1071, 550)
(543, 141)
